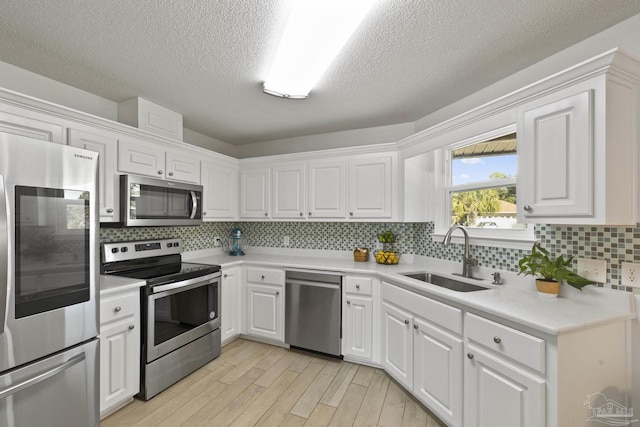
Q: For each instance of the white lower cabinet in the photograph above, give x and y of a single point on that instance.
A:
(422, 349)
(499, 394)
(231, 304)
(358, 318)
(265, 303)
(119, 349)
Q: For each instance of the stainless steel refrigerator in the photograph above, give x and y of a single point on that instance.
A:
(48, 284)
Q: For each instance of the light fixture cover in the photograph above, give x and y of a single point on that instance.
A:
(316, 31)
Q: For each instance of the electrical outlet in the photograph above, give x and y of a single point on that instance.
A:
(593, 269)
(630, 275)
(217, 242)
(285, 241)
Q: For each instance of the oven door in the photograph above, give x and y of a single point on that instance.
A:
(181, 312)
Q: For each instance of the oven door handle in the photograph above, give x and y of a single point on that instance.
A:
(4, 253)
(185, 285)
(194, 205)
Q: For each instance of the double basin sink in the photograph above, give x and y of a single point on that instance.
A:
(445, 282)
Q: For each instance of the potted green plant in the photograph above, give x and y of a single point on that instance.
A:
(550, 273)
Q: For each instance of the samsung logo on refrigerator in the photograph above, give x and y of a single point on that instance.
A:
(82, 156)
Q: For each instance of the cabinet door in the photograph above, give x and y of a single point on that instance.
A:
(370, 185)
(30, 124)
(231, 309)
(106, 146)
(437, 376)
(397, 344)
(140, 158)
(555, 158)
(220, 184)
(326, 189)
(498, 394)
(182, 168)
(119, 364)
(254, 193)
(265, 311)
(357, 327)
(288, 191)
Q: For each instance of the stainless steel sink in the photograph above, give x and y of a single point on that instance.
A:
(445, 282)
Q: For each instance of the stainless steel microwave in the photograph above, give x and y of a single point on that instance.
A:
(157, 202)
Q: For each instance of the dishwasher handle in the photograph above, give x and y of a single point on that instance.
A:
(312, 283)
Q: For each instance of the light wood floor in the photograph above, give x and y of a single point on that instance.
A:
(258, 384)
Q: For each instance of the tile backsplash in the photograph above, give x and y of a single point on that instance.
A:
(613, 244)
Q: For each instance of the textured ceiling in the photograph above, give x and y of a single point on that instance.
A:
(207, 58)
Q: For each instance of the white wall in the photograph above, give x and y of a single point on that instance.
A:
(625, 35)
(326, 141)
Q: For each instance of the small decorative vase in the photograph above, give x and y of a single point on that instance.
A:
(548, 289)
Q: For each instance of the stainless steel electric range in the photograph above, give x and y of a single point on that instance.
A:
(180, 307)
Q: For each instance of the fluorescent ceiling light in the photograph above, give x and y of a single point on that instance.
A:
(315, 33)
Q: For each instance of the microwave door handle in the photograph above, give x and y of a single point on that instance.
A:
(4, 244)
(194, 204)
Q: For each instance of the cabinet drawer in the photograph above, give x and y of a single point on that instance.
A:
(359, 285)
(520, 347)
(434, 311)
(265, 275)
(115, 307)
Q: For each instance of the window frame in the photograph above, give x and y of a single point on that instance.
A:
(507, 238)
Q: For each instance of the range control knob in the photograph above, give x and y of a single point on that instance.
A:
(176, 244)
(169, 245)
(114, 250)
(124, 249)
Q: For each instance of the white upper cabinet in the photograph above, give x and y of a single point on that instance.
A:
(371, 181)
(146, 158)
(578, 147)
(326, 189)
(288, 191)
(105, 144)
(220, 198)
(18, 121)
(254, 193)
(151, 117)
(182, 167)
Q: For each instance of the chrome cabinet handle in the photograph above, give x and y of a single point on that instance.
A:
(406, 322)
(350, 213)
(497, 340)
(204, 214)
(109, 210)
(170, 173)
(225, 276)
(348, 302)
(470, 356)
(266, 214)
(131, 327)
(117, 309)
(262, 277)
(160, 172)
(277, 292)
(357, 286)
(309, 213)
(301, 214)
(528, 208)
(415, 327)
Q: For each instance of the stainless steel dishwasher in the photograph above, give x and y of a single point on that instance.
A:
(313, 315)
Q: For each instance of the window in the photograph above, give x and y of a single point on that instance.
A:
(478, 189)
(482, 188)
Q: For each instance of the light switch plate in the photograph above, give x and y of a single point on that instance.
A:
(593, 269)
(285, 241)
(217, 242)
(630, 275)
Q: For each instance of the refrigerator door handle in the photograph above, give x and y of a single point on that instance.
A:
(4, 244)
(14, 388)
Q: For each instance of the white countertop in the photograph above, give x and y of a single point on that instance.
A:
(111, 284)
(516, 300)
